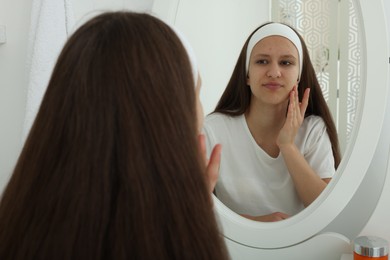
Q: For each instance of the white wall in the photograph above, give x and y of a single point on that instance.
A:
(81, 8)
(15, 15)
(379, 223)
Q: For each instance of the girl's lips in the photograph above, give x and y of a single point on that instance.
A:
(272, 85)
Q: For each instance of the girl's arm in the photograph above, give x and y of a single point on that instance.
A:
(307, 183)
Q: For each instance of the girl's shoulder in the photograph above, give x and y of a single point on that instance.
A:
(215, 119)
(313, 121)
(312, 129)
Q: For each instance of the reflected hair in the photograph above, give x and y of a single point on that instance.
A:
(111, 167)
(236, 97)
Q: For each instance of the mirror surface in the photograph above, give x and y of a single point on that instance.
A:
(332, 34)
(217, 54)
(334, 44)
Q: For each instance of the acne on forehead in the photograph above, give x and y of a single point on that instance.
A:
(271, 41)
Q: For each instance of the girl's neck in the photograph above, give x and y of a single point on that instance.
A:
(266, 118)
(264, 124)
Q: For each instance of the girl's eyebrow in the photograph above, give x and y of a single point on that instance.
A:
(262, 55)
(288, 56)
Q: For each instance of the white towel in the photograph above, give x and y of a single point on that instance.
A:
(51, 23)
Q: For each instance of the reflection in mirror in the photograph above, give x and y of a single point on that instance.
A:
(336, 59)
(331, 32)
(225, 26)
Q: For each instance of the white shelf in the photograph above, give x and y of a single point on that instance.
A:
(346, 257)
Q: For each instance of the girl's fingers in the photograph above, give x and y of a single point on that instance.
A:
(213, 166)
(296, 95)
(301, 106)
(293, 105)
(305, 101)
(202, 147)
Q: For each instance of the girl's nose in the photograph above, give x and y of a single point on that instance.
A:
(273, 71)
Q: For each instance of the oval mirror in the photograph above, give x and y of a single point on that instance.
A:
(208, 23)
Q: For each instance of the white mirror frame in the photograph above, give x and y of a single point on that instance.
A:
(358, 156)
(354, 165)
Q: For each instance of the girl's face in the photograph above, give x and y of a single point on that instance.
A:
(273, 70)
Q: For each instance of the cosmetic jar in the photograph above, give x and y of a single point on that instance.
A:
(370, 248)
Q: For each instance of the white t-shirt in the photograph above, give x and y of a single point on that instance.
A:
(252, 182)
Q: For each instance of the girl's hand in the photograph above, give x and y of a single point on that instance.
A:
(276, 216)
(295, 115)
(212, 164)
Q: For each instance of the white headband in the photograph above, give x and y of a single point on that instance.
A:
(270, 30)
(190, 53)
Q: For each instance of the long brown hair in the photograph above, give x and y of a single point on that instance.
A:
(111, 168)
(235, 99)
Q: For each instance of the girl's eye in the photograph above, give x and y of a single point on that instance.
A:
(286, 62)
(261, 61)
